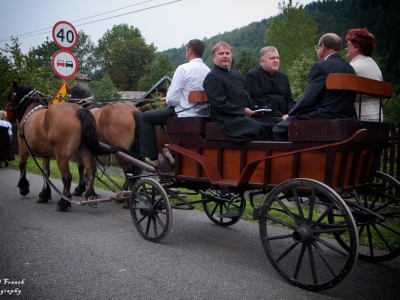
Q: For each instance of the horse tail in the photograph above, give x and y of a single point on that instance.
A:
(89, 135)
(135, 148)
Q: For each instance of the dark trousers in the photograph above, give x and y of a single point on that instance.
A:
(148, 121)
(280, 130)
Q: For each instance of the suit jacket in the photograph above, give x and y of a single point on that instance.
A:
(320, 103)
(270, 91)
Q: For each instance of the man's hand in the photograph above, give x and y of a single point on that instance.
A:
(284, 117)
(163, 100)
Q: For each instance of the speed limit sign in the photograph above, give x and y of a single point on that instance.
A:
(65, 35)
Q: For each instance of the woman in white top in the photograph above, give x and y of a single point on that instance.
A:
(360, 44)
(6, 150)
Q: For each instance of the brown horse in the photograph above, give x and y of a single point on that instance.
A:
(117, 125)
(59, 130)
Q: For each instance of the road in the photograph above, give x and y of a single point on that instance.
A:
(91, 253)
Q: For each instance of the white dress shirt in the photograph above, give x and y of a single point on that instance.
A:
(188, 77)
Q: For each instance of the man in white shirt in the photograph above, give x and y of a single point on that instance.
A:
(187, 77)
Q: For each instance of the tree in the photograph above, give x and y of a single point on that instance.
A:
(84, 53)
(160, 68)
(246, 61)
(104, 89)
(129, 61)
(121, 32)
(292, 32)
(23, 69)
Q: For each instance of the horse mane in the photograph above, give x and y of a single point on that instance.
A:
(20, 92)
(78, 92)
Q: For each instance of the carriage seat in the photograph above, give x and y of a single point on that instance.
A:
(187, 125)
(335, 130)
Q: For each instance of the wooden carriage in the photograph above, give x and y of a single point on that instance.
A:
(323, 192)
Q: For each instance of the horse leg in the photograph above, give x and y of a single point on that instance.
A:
(45, 194)
(90, 169)
(82, 183)
(62, 204)
(23, 183)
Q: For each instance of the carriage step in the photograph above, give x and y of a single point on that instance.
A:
(229, 215)
(183, 207)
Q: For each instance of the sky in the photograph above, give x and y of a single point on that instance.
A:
(165, 23)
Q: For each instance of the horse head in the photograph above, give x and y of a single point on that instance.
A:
(83, 97)
(22, 96)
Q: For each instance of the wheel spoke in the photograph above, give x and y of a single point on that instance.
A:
(287, 251)
(298, 204)
(279, 237)
(288, 212)
(323, 215)
(299, 261)
(312, 264)
(326, 244)
(322, 255)
(281, 222)
(388, 246)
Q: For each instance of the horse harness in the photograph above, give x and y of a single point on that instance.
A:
(21, 108)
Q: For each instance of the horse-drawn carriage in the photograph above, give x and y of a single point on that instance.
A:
(323, 191)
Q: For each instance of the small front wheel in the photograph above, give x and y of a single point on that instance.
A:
(150, 209)
(223, 209)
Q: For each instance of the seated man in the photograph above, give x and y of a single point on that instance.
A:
(187, 77)
(318, 103)
(269, 87)
(230, 103)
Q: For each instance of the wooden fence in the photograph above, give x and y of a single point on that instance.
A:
(390, 157)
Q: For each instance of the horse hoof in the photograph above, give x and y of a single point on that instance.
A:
(63, 205)
(126, 205)
(24, 193)
(40, 200)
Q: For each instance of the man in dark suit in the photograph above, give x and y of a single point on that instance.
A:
(318, 103)
(269, 87)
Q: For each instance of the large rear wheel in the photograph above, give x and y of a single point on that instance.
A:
(297, 238)
(376, 211)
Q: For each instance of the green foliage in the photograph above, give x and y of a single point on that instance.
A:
(156, 104)
(129, 61)
(292, 32)
(160, 68)
(391, 110)
(121, 32)
(23, 69)
(104, 89)
(298, 74)
(246, 61)
(83, 52)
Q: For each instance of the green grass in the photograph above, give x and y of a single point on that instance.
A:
(31, 167)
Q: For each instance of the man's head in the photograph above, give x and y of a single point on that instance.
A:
(269, 59)
(194, 49)
(222, 55)
(328, 43)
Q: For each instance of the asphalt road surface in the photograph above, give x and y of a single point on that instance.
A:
(91, 253)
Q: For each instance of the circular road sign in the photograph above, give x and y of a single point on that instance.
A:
(64, 64)
(65, 35)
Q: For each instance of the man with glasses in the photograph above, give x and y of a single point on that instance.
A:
(317, 102)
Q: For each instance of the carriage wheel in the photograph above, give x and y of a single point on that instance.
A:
(150, 209)
(296, 236)
(380, 236)
(223, 209)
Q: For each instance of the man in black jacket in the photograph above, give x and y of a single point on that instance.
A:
(318, 103)
(230, 102)
(269, 87)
